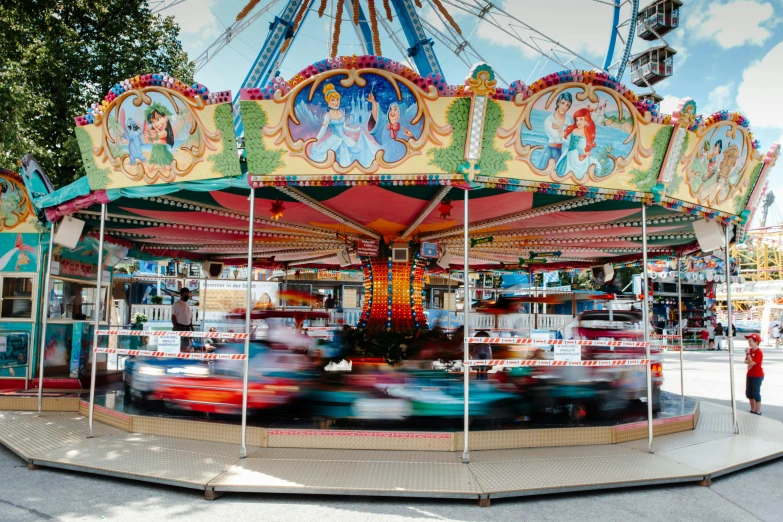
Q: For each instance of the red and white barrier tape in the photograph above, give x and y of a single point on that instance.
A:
(145, 333)
(664, 336)
(148, 353)
(333, 328)
(535, 362)
(560, 342)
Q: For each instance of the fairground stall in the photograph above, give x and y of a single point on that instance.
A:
(359, 163)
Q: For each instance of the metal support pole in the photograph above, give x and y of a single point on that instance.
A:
(448, 308)
(679, 327)
(729, 329)
(45, 317)
(466, 347)
(285, 284)
(203, 306)
(97, 318)
(646, 319)
(248, 320)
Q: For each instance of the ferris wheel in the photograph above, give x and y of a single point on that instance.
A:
(421, 33)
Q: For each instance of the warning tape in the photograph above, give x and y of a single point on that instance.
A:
(664, 336)
(145, 333)
(148, 353)
(334, 328)
(535, 362)
(559, 342)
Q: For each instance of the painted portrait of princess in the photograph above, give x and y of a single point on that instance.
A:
(348, 143)
(579, 140)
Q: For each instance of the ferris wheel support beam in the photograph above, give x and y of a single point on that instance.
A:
(269, 55)
(421, 47)
(628, 41)
(363, 32)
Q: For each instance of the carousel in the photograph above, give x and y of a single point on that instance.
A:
(365, 163)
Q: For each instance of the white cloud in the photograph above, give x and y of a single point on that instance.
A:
(670, 103)
(720, 98)
(732, 24)
(196, 18)
(757, 94)
(581, 26)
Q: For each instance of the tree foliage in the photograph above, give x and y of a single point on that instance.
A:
(57, 57)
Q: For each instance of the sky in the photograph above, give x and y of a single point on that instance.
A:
(729, 52)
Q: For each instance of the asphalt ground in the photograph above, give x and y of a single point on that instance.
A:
(753, 494)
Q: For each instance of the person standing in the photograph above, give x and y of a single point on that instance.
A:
(753, 358)
(181, 317)
(718, 335)
(775, 331)
(329, 302)
(711, 336)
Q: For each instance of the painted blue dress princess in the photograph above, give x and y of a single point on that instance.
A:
(389, 130)
(346, 149)
(580, 139)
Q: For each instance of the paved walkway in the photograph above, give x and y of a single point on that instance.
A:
(58, 440)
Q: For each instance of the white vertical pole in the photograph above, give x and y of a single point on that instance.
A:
(466, 347)
(285, 284)
(45, 317)
(248, 318)
(679, 325)
(448, 307)
(97, 318)
(729, 329)
(646, 312)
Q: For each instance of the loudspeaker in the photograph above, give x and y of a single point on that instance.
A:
(211, 269)
(69, 232)
(709, 234)
(343, 257)
(400, 253)
(600, 273)
(444, 260)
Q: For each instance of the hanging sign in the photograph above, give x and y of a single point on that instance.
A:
(534, 261)
(68, 267)
(481, 240)
(168, 344)
(545, 254)
(429, 250)
(366, 248)
(568, 352)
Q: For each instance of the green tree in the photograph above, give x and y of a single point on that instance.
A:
(57, 57)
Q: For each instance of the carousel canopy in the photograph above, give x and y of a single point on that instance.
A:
(361, 149)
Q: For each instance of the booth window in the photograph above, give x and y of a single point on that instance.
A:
(17, 297)
(75, 300)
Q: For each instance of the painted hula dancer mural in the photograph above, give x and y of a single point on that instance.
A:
(577, 133)
(353, 119)
(153, 134)
(156, 129)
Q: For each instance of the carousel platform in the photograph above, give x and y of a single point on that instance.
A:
(58, 439)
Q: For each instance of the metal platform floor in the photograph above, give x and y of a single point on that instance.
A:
(58, 440)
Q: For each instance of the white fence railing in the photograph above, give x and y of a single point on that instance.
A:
(520, 321)
(161, 312)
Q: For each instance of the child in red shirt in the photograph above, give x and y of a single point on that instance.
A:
(754, 358)
(705, 339)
